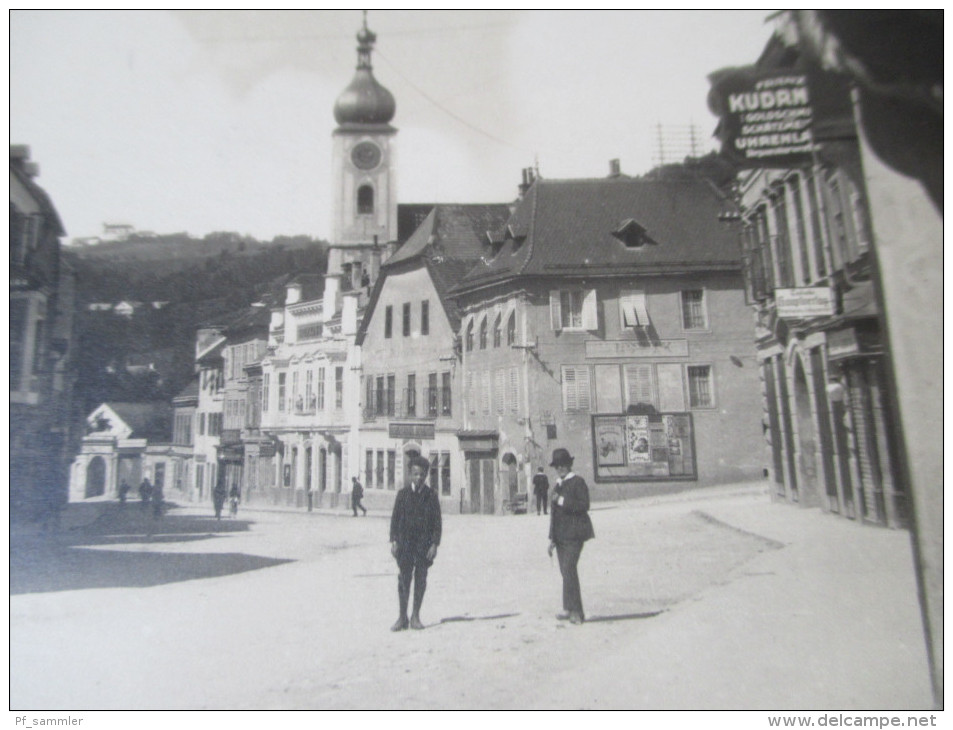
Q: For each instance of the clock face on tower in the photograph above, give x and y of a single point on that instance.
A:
(366, 155)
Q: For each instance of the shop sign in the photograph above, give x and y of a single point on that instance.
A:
(804, 302)
(266, 450)
(632, 348)
(842, 343)
(772, 118)
(412, 431)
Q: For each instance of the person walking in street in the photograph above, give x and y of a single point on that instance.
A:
(357, 494)
(569, 528)
(123, 492)
(234, 497)
(157, 501)
(415, 530)
(541, 490)
(145, 491)
(218, 497)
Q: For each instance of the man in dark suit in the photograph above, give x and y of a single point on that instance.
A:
(541, 490)
(415, 527)
(569, 528)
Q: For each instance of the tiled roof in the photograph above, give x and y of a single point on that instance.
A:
(565, 227)
(190, 391)
(448, 242)
(151, 421)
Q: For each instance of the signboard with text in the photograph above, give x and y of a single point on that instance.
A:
(805, 302)
(772, 118)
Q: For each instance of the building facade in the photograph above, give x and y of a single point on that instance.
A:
(608, 317)
(810, 275)
(209, 412)
(309, 403)
(412, 396)
(43, 433)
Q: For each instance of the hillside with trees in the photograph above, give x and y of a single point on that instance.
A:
(178, 284)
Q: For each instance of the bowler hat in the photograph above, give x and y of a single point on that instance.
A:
(420, 461)
(561, 457)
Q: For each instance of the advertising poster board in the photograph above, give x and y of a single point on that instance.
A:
(643, 448)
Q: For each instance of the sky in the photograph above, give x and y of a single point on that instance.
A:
(203, 121)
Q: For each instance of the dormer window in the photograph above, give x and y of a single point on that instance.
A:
(632, 234)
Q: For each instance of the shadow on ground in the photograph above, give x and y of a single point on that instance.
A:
(72, 557)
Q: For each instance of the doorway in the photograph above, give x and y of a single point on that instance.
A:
(96, 477)
(807, 438)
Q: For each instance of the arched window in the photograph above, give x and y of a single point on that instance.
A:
(483, 334)
(511, 329)
(469, 337)
(365, 200)
(498, 330)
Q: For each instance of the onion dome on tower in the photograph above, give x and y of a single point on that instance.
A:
(364, 101)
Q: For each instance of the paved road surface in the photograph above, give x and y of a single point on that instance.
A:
(711, 600)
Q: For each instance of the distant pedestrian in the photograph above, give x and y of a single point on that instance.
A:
(145, 491)
(234, 497)
(415, 530)
(569, 528)
(218, 497)
(357, 494)
(541, 490)
(123, 492)
(158, 499)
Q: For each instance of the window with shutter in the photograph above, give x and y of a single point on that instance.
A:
(576, 389)
(512, 397)
(499, 390)
(633, 312)
(639, 385)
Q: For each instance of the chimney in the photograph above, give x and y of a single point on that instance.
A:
(527, 181)
(331, 288)
(294, 293)
(615, 169)
(349, 313)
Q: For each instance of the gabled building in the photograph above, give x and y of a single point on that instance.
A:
(410, 355)
(43, 433)
(123, 442)
(608, 317)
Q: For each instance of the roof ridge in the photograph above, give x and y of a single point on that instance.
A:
(531, 231)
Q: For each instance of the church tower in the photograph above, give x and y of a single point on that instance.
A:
(364, 213)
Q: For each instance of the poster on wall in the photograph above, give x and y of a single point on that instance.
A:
(637, 439)
(652, 447)
(610, 442)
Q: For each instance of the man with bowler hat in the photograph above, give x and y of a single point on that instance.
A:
(415, 528)
(569, 528)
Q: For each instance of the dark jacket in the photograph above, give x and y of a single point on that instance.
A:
(357, 492)
(540, 484)
(415, 523)
(570, 521)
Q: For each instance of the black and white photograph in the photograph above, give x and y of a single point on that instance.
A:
(310, 309)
